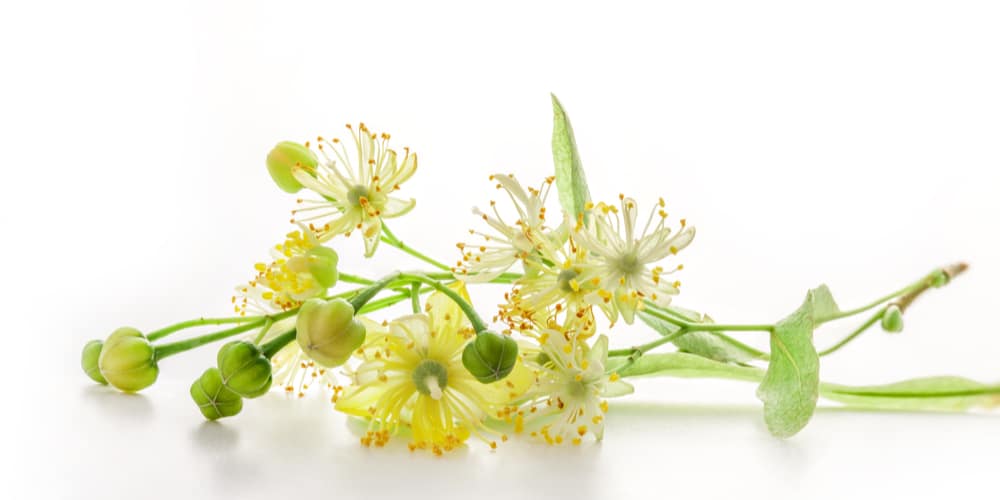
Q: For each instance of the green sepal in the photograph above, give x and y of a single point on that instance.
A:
(88, 360)
(214, 400)
(244, 369)
(490, 356)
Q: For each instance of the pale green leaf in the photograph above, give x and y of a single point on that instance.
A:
(570, 180)
(929, 394)
(791, 386)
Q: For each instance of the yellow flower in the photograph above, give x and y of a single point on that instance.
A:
(411, 375)
(622, 261)
(288, 280)
(354, 187)
(565, 404)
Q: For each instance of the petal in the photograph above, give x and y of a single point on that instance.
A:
(617, 388)
(394, 207)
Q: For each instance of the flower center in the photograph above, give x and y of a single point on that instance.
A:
(431, 378)
(576, 388)
(629, 264)
(565, 279)
(355, 194)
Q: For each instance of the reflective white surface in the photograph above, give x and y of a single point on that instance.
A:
(853, 143)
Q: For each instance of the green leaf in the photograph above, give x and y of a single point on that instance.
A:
(712, 345)
(570, 180)
(680, 364)
(928, 394)
(791, 386)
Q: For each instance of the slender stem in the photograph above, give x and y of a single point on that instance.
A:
(639, 350)
(276, 344)
(163, 332)
(853, 335)
(415, 297)
(357, 280)
(908, 294)
(166, 350)
(263, 331)
(706, 327)
(391, 239)
(478, 325)
(367, 293)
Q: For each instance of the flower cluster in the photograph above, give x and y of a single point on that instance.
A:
(441, 375)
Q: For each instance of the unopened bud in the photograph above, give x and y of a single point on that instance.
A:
(91, 353)
(320, 262)
(892, 319)
(244, 369)
(282, 161)
(128, 360)
(490, 356)
(213, 398)
(328, 332)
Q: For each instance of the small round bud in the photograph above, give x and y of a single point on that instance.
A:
(320, 262)
(490, 356)
(892, 319)
(282, 160)
(91, 353)
(128, 360)
(244, 369)
(213, 398)
(327, 331)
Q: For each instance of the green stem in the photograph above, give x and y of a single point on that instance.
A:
(276, 344)
(853, 335)
(478, 325)
(263, 331)
(163, 332)
(166, 350)
(706, 327)
(391, 239)
(415, 297)
(637, 351)
(351, 278)
(367, 293)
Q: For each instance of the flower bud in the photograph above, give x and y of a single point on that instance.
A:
(939, 278)
(490, 356)
(244, 369)
(892, 319)
(128, 360)
(91, 353)
(282, 160)
(327, 331)
(213, 398)
(320, 262)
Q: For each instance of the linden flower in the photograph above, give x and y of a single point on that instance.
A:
(412, 374)
(505, 243)
(620, 257)
(355, 188)
(566, 403)
(555, 281)
(286, 281)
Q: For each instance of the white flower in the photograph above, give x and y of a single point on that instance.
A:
(507, 241)
(622, 260)
(566, 402)
(355, 187)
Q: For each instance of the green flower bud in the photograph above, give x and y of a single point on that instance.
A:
(282, 160)
(327, 331)
(213, 398)
(91, 352)
(244, 369)
(320, 262)
(128, 360)
(892, 319)
(490, 357)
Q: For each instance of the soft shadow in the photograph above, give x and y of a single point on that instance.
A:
(129, 405)
(215, 437)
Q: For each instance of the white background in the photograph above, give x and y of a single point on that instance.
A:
(852, 143)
